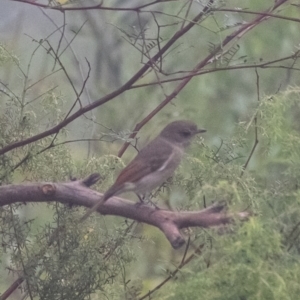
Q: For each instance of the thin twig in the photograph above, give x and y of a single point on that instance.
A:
(256, 13)
(172, 275)
(255, 128)
(229, 68)
(61, 37)
(110, 96)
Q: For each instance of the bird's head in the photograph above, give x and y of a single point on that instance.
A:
(181, 132)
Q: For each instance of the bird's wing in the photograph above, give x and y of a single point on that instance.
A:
(150, 159)
(153, 157)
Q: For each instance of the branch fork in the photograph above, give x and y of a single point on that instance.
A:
(78, 192)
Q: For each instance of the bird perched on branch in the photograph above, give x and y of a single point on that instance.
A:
(154, 163)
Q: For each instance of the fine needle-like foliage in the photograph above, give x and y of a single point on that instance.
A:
(259, 260)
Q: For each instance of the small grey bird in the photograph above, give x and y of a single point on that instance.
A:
(155, 163)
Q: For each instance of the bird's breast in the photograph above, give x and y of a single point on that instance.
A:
(156, 178)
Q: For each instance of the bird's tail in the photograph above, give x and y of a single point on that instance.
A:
(110, 193)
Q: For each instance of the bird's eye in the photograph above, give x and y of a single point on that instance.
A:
(186, 133)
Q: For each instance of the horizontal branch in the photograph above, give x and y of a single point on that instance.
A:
(79, 193)
(264, 65)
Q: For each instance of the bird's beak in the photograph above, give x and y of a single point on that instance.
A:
(200, 130)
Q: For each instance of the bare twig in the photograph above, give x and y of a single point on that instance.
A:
(61, 38)
(256, 13)
(110, 96)
(93, 7)
(265, 65)
(184, 262)
(236, 35)
(255, 128)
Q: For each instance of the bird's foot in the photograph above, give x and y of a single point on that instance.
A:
(142, 201)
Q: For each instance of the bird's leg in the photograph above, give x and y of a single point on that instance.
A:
(141, 202)
(141, 198)
(149, 200)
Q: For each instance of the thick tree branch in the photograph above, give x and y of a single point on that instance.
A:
(78, 193)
